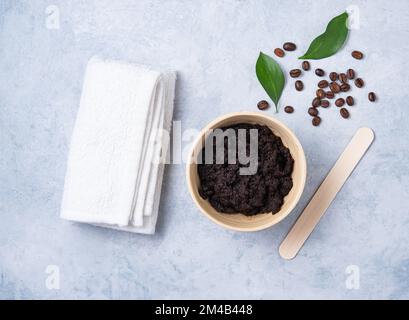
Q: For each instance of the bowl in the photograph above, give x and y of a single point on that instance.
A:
(241, 222)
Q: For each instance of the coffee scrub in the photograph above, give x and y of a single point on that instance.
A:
(229, 191)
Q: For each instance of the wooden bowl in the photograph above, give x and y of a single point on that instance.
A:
(238, 221)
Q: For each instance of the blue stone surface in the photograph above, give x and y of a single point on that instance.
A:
(213, 45)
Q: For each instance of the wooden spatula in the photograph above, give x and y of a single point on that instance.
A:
(326, 193)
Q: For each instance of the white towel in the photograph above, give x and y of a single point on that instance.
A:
(112, 177)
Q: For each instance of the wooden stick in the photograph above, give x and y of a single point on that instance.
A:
(326, 193)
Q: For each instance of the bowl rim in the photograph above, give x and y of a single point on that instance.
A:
(302, 160)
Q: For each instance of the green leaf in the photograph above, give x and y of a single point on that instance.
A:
(328, 43)
(271, 76)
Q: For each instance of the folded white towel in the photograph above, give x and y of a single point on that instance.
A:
(112, 177)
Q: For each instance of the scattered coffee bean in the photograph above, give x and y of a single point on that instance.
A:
(316, 121)
(339, 83)
(313, 112)
(321, 94)
(324, 103)
(333, 76)
(344, 113)
(345, 87)
(316, 102)
(319, 72)
(357, 54)
(305, 65)
(339, 102)
(263, 105)
(279, 52)
(335, 88)
(359, 82)
(295, 73)
(372, 96)
(351, 74)
(323, 84)
(289, 109)
(299, 85)
(289, 46)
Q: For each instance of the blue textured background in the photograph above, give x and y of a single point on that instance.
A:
(213, 45)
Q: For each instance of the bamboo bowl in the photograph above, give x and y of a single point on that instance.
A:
(240, 222)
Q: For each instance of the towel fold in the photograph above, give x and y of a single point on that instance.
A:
(113, 177)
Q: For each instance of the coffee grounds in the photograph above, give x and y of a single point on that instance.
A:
(229, 192)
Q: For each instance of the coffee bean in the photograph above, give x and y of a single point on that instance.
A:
(344, 113)
(263, 105)
(333, 76)
(279, 52)
(372, 96)
(313, 112)
(316, 121)
(289, 46)
(295, 73)
(323, 84)
(357, 54)
(343, 77)
(351, 74)
(321, 94)
(350, 101)
(324, 103)
(319, 72)
(305, 65)
(339, 102)
(330, 95)
(289, 109)
(299, 85)
(359, 82)
(345, 87)
(335, 88)
(316, 102)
